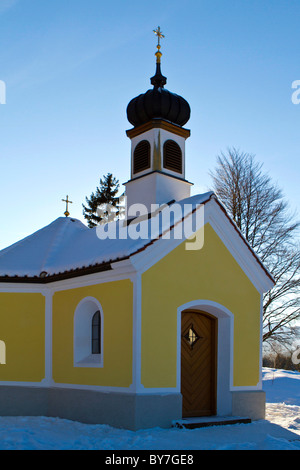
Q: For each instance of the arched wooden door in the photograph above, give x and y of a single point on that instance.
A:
(198, 363)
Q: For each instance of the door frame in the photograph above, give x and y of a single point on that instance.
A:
(224, 361)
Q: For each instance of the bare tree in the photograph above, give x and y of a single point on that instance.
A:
(259, 210)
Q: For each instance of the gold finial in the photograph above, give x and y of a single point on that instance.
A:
(67, 213)
(159, 35)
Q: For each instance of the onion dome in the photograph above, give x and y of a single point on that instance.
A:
(158, 103)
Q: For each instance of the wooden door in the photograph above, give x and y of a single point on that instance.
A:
(198, 364)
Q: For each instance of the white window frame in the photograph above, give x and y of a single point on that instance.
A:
(82, 339)
(2, 353)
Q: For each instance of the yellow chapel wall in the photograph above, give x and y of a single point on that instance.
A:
(22, 336)
(116, 300)
(184, 276)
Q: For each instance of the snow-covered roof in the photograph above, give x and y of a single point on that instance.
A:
(67, 244)
(67, 248)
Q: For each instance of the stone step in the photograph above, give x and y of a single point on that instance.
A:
(205, 421)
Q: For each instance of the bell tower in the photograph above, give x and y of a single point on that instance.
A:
(157, 143)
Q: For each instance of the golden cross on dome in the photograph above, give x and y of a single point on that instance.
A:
(159, 35)
(67, 213)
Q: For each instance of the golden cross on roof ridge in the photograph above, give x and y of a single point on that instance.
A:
(67, 213)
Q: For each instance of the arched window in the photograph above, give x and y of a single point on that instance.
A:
(172, 156)
(96, 333)
(88, 334)
(141, 156)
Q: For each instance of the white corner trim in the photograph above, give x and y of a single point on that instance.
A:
(2, 352)
(48, 380)
(260, 383)
(136, 333)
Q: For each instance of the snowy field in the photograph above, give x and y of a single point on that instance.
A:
(280, 430)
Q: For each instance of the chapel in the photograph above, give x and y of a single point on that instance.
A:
(151, 320)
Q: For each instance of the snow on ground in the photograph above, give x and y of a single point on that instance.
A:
(279, 431)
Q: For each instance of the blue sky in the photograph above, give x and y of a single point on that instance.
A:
(71, 67)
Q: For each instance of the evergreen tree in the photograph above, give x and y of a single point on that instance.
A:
(106, 193)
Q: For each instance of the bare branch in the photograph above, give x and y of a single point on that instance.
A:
(261, 213)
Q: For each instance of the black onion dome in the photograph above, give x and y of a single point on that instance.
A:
(158, 103)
